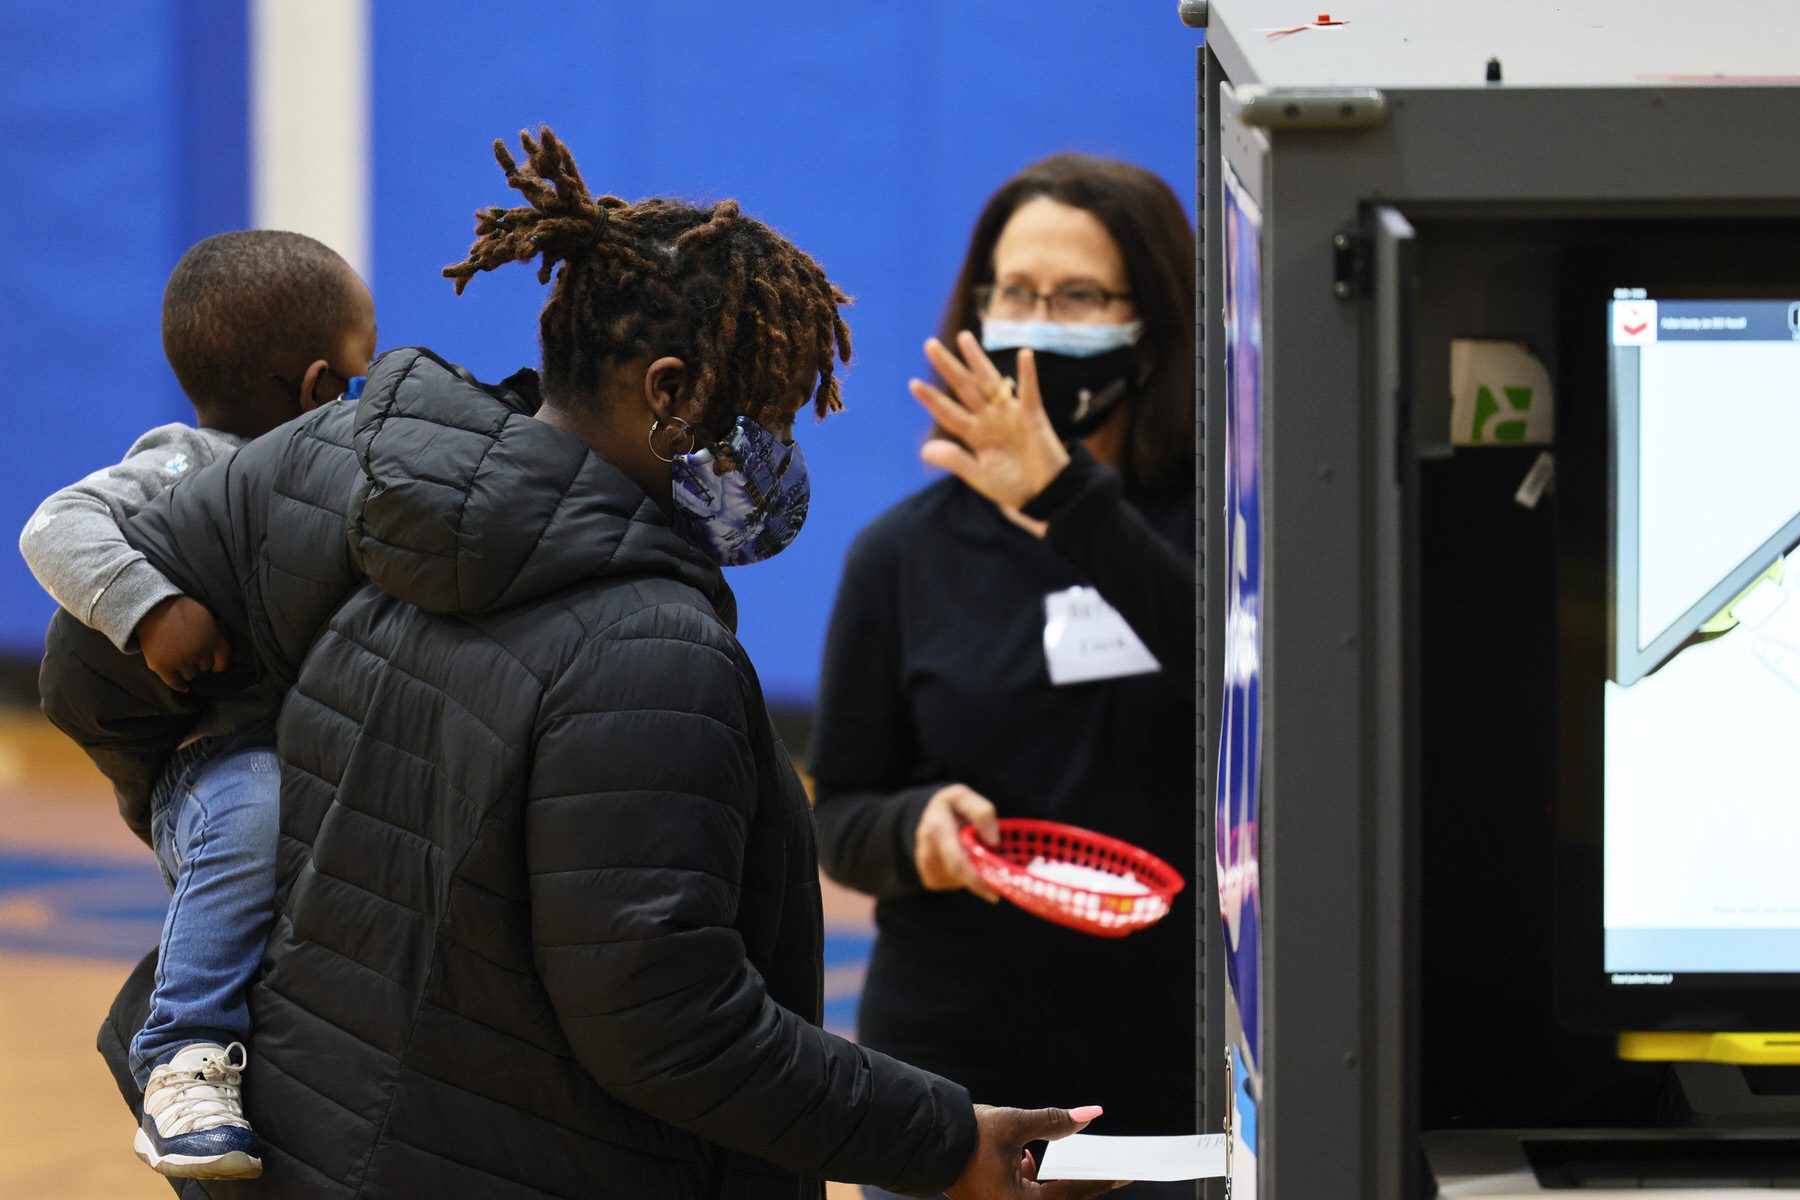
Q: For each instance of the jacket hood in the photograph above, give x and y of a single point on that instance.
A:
(469, 504)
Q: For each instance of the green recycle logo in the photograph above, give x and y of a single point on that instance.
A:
(1512, 429)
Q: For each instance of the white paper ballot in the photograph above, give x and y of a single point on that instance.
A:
(1159, 1159)
(1086, 639)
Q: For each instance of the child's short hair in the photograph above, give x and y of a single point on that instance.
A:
(242, 306)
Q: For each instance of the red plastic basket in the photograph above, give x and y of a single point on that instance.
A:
(1104, 914)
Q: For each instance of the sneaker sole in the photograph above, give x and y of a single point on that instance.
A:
(233, 1165)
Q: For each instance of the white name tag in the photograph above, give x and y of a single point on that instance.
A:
(1086, 639)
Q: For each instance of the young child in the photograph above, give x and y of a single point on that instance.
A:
(259, 326)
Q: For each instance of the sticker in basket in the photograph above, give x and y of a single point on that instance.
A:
(1091, 878)
(1086, 639)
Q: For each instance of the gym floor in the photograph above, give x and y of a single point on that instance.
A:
(80, 902)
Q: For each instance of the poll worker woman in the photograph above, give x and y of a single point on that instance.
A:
(1065, 418)
(548, 914)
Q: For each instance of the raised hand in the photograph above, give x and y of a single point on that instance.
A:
(1003, 444)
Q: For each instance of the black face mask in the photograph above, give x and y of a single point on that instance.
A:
(1079, 393)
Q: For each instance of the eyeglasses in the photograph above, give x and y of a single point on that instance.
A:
(1072, 304)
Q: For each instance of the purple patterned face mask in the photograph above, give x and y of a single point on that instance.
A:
(754, 509)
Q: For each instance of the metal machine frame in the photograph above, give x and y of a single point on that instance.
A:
(1345, 143)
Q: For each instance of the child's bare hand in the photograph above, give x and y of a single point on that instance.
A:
(181, 642)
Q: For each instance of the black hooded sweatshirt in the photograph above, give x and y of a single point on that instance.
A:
(548, 919)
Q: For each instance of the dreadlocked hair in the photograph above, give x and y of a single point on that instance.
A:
(753, 316)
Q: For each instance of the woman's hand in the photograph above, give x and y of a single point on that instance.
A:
(1002, 1169)
(938, 852)
(1008, 452)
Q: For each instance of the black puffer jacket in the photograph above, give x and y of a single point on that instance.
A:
(548, 908)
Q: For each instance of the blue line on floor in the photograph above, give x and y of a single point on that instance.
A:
(112, 910)
(100, 908)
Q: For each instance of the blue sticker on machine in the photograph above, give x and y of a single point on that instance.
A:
(1240, 733)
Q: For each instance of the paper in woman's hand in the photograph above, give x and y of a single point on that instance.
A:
(1160, 1159)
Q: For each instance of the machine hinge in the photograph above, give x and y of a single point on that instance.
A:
(1349, 265)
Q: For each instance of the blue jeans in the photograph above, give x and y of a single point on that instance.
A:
(1135, 1191)
(213, 819)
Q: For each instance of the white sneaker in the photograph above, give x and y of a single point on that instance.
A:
(194, 1125)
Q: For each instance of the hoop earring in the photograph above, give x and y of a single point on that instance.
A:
(656, 426)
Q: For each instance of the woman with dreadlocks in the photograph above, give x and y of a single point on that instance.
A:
(548, 916)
